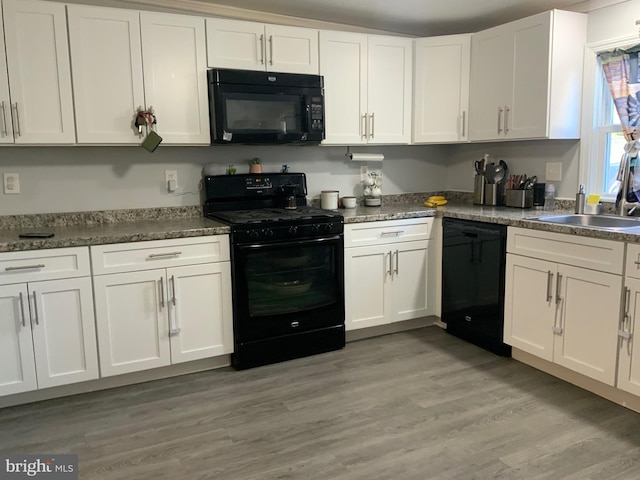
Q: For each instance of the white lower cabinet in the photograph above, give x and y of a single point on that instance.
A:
(628, 357)
(386, 271)
(563, 312)
(47, 328)
(170, 302)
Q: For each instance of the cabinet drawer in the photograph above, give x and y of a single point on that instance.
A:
(36, 265)
(632, 264)
(388, 231)
(127, 257)
(592, 253)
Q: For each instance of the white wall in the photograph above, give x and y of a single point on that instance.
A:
(616, 21)
(70, 179)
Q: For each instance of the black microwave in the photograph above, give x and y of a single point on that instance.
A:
(265, 107)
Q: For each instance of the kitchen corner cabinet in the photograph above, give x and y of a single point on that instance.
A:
(47, 328)
(37, 73)
(526, 78)
(108, 46)
(441, 89)
(256, 46)
(162, 302)
(368, 88)
(386, 272)
(563, 300)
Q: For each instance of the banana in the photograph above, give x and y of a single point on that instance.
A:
(435, 201)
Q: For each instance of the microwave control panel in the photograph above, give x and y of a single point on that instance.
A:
(316, 114)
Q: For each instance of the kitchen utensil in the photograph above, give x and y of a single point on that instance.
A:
(490, 172)
(528, 185)
(479, 166)
(499, 173)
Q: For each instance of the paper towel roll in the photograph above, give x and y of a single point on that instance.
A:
(366, 157)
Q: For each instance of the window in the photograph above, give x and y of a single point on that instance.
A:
(608, 142)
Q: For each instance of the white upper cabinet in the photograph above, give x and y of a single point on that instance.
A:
(441, 89)
(40, 108)
(367, 81)
(526, 78)
(107, 73)
(175, 76)
(255, 46)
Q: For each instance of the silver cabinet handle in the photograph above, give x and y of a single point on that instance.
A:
(363, 126)
(3, 113)
(173, 289)
(270, 49)
(558, 329)
(506, 119)
(390, 272)
(395, 233)
(261, 49)
(24, 319)
(397, 257)
(372, 124)
(637, 262)
(366, 126)
(627, 298)
(161, 286)
(549, 282)
(24, 267)
(35, 309)
(175, 329)
(464, 123)
(16, 119)
(168, 254)
(499, 120)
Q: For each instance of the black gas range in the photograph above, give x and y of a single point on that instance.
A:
(287, 267)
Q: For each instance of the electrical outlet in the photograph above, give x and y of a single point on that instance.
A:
(553, 172)
(11, 183)
(171, 180)
(364, 171)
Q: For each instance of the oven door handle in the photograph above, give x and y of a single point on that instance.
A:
(292, 243)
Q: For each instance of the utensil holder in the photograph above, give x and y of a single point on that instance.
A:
(478, 189)
(519, 198)
(493, 194)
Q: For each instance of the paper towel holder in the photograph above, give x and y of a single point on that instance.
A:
(364, 157)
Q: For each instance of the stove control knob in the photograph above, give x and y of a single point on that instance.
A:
(315, 228)
(293, 230)
(254, 234)
(326, 227)
(267, 232)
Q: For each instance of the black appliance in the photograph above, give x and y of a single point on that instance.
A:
(265, 107)
(287, 267)
(473, 272)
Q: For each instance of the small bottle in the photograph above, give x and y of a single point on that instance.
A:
(580, 198)
(550, 197)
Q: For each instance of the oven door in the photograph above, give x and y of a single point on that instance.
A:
(287, 287)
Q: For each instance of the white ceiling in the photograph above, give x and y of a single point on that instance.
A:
(413, 17)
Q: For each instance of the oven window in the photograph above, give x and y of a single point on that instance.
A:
(257, 113)
(292, 279)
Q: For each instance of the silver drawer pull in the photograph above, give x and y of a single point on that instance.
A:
(397, 233)
(24, 267)
(168, 254)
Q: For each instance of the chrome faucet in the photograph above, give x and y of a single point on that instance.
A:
(625, 207)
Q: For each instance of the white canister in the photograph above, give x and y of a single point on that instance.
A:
(329, 199)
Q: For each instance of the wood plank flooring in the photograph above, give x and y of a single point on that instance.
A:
(413, 405)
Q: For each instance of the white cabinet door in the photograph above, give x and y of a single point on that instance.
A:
(39, 72)
(587, 337)
(409, 281)
(530, 305)
(107, 73)
(529, 103)
(491, 83)
(628, 358)
(235, 44)
(291, 49)
(17, 363)
(367, 272)
(200, 317)
(441, 89)
(175, 76)
(64, 336)
(343, 63)
(389, 97)
(6, 126)
(132, 321)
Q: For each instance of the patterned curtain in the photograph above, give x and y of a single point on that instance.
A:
(621, 71)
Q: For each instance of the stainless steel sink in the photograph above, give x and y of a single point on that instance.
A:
(604, 222)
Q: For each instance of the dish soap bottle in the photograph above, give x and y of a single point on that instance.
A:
(580, 198)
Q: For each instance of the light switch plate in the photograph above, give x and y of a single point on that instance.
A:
(364, 171)
(11, 183)
(553, 172)
(171, 179)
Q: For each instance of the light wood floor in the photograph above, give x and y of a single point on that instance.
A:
(414, 405)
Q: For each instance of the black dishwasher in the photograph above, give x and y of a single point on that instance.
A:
(473, 268)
